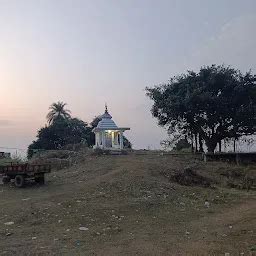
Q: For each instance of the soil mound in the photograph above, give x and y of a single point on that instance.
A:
(189, 177)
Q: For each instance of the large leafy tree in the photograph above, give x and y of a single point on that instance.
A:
(58, 111)
(60, 133)
(216, 103)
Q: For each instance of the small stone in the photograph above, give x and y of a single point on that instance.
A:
(34, 238)
(9, 223)
(83, 229)
(227, 254)
(207, 204)
(9, 234)
(230, 227)
(25, 199)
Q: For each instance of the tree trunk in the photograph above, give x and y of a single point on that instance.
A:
(200, 144)
(234, 145)
(192, 144)
(196, 142)
(220, 146)
(211, 145)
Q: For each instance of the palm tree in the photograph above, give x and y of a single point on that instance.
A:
(58, 111)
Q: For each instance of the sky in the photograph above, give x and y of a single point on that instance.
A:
(91, 52)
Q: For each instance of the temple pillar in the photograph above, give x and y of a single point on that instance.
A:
(116, 138)
(97, 139)
(113, 138)
(103, 139)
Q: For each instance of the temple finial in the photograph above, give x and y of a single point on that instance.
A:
(106, 108)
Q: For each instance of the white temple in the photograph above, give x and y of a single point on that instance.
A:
(107, 134)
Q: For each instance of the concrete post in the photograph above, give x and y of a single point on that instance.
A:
(121, 140)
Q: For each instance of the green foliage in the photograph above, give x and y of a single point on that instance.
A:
(182, 144)
(253, 248)
(95, 121)
(214, 104)
(59, 133)
(99, 152)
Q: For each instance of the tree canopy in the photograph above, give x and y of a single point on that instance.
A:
(216, 103)
(58, 111)
(60, 133)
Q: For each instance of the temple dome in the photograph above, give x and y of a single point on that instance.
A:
(107, 124)
(106, 121)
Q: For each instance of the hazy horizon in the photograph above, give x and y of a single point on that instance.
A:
(86, 53)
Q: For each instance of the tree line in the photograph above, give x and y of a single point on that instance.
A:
(215, 104)
(62, 130)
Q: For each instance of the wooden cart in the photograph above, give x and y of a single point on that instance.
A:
(21, 173)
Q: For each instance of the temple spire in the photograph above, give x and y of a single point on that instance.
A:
(106, 108)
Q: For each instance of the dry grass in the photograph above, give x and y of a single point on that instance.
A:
(131, 205)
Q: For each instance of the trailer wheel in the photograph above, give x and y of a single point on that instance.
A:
(6, 179)
(19, 181)
(40, 179)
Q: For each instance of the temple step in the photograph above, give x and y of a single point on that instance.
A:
(115, 152)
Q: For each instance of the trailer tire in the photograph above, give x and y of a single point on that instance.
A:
(19, 181)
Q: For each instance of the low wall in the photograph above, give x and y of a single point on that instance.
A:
(238, 158)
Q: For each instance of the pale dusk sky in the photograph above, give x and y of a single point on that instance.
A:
(88, 52)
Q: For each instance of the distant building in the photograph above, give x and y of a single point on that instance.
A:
(107, 134)
(5, 155)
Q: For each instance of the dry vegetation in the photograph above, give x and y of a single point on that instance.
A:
(132, 205)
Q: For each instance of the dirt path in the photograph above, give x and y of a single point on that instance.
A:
(129, 208)
(232, 231)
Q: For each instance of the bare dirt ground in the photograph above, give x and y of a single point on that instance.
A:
(131, 205)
